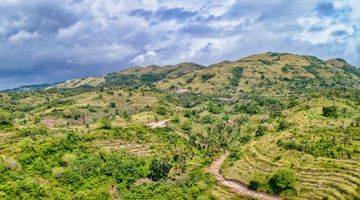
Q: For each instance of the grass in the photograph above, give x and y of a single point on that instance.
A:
(224, 111)
(341, 177)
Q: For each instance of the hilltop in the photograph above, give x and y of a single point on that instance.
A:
(261, 69)
(278, 125)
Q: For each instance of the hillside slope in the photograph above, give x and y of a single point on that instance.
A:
(290, 123)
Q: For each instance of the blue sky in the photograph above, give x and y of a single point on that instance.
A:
(48, 41)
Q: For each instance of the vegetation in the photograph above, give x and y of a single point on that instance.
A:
(282, 180)
(159, 169)
(291, 124)
(330, 111)
(5, 118)
(237, 74)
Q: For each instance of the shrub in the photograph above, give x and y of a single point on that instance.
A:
(282, 180)
(214, 108)
(254, 185)
(161, 110)
(283, 125)
(356, 122)
(33, 131)
(237, 74)
(5, 118)
(189, 80)
(159, 169)
(104, 124)
(235, 154)
(285, 69)
(329, 111)
(261, 131)
(186, 126)
(206, 77)
(245, 138)
(188, 113)
(250, 109)
(112, 104)
(206, 119)
(259, 181)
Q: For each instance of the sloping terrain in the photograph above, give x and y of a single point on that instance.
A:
(291, 124)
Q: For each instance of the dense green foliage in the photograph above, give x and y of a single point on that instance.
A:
(237, 74)
(159, 169)
(282, 180)
(5, 118)
(330, 111)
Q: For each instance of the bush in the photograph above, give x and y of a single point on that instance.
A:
(186, 126)
(237, 74)
(5, 118)
(206, 77)
(329, 111)
(188, 113)
(282, 180)
(159, 169)
(33, 131)
(112, 104)
(214, 108)
(104, 124)
(189, 80)
(259, 182)
(254, 185)
(261, 131)
(161, 110)
(356, 122)
(250, 109)
(235, 154)
(283, 125)
(206, 119)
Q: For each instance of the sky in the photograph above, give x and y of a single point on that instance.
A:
(44, 41)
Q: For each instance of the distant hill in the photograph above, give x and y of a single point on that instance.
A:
(28, 88)
(271, 125)
(256, 72)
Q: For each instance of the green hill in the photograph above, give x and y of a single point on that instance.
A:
(290, 122)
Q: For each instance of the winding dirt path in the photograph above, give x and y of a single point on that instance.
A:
(236, 186)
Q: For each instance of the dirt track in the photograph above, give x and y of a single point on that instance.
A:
(236, 186)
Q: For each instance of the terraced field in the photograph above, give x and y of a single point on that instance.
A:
(150, 133)
(319, 178)
(126, 146)
(223, 193)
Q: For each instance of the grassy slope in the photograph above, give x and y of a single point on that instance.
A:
(335, 178)
(268, 82)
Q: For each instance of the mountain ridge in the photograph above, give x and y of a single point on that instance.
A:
(181, 69)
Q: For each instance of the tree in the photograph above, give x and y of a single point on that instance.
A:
(5, 118)
(283, 179)
(112, 104)
(159, 169)
(329, 111)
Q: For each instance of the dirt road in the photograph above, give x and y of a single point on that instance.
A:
(235, 186)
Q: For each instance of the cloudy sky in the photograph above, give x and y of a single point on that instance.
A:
(48, 41)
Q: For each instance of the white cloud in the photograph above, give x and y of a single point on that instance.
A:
(145, 58)
(105, 35)
(7, 2)
(71, 31)
(22, 36)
